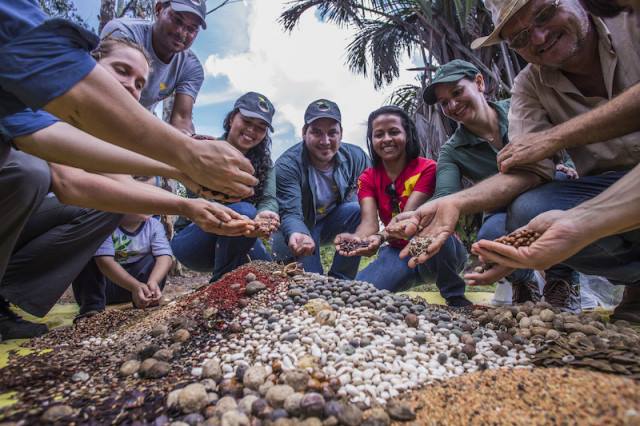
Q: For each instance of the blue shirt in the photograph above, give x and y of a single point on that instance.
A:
(18, 17)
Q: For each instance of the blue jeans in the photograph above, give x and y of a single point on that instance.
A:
(205, 252)
(389, 272)
(344, 218)
(616, 257)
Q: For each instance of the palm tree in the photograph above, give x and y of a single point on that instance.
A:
(435, 30)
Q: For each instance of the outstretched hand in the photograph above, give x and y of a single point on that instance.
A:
(359, 246)
(301, 244)
(561, 238)
(527, 149)
(488, 276)
(218, 219)
(437, 219)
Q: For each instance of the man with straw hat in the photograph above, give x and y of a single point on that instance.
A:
(577, 62)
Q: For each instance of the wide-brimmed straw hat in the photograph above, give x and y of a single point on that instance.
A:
(501, 12)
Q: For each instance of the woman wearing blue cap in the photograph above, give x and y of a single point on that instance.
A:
(458, 88)
(246, 128)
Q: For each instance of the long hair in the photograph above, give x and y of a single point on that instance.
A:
(259, 155)
(603, 8)
(412, 148)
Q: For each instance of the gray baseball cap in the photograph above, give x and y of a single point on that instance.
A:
(197, 7)
(255, 105)
(322, 108)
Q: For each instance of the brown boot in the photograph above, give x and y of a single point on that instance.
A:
(629, 307)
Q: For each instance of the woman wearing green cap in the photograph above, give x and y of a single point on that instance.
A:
(246, 127)
(458, 88)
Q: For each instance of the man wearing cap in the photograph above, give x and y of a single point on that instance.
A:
(175, 69)
(316, 187)
(577, 63)
(573, 73)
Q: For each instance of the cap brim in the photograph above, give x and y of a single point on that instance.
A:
(333, 117)
(252, 114)
(429, 94)
(178, 7)
(494, 37)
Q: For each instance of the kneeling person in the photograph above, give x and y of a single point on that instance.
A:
(130, 266)
(316, 182)
(400, 180)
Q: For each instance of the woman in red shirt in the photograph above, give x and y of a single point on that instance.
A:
(400, 180)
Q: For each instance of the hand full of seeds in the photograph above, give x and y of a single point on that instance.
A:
(348, 246)
(419, 246)
(519, 238)
(267, 226)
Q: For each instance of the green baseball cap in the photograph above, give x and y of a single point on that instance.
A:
(450, 72)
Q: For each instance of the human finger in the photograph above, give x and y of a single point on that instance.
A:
(502, 254)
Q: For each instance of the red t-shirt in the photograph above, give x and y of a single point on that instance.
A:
(418, 175)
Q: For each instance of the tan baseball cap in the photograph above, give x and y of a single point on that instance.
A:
(501, 12)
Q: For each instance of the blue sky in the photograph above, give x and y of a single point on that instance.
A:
(245, 49)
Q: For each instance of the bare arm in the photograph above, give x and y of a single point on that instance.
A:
(368, 218)
(64, 144)
(416, 199)
(99, 105)
(615, 118)
(124, 195)
(494, 192)
(182, 113)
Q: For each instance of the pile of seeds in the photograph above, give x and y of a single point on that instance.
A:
(268, 344)
(529, 397)
(565, 339)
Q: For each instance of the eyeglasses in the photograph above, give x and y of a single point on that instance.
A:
(395, 201)
(179, 22)
(545, 15)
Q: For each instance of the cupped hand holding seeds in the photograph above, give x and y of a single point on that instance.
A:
(437, 220)
(353, 245)
(548, 239)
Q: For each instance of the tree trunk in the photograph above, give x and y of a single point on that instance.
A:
(107, 12)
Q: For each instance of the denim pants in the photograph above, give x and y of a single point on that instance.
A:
(205, 252)
(344, 218)
(93, 291)
(389, 272)
(616, 257)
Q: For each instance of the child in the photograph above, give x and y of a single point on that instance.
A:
(131, 265)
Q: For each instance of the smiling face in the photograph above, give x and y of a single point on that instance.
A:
(246, 132)
(389, 138)
(556, 42)
(129, 67)
(322, 138)
(173, 32)
(461, 101)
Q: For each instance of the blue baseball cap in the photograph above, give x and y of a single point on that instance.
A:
(255, 105)
(322, 108)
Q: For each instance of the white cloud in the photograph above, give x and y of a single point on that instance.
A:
(295, 69)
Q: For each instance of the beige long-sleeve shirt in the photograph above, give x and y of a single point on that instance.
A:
(543, 97)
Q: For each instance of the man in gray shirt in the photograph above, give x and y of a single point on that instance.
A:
(316, 183)
(175, 69)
